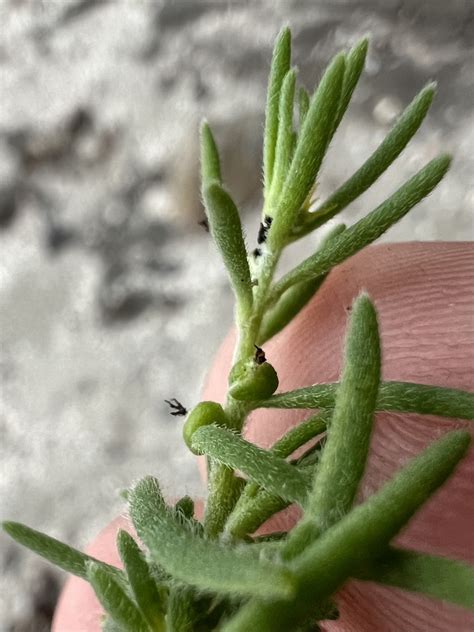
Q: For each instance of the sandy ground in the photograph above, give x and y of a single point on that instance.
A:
(111, 297)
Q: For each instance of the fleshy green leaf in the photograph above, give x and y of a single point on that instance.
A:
(406, 397)
(355, 61)
(58, 553)
(210, 163)
(205, 564)
(257, 505)
(293, 300)
(280, 66)
(301, 434)
(345, 454)
(114, 600)
(271, 472)
(350, 545)
(284, 144)
(226, 229)
(438, 577)
(141, 581)
(369, 228)
(390, 148)
(309, 151)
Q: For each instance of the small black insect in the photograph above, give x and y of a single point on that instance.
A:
(263, 230)
(205, 224)
(257, 253)
(177, 409)
(259, 355)
(254, 282)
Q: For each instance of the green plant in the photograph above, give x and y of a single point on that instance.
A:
(217, 574)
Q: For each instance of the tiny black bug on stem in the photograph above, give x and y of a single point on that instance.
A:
(205, 224)
(259, 355)
(263, 230)
(177, 409)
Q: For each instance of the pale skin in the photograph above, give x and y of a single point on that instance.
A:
(424, 294)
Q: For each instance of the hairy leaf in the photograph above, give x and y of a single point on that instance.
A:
(60, 554)
(350, 545)
(226, 229)
(390, 148)
(345, 454)
(280, 66)
(141, 581)
(369, 228)
(309, 151)
(114, 600)
(210, 163)
(284, 145)
(205, 564)
(261, 466)
(405, 397)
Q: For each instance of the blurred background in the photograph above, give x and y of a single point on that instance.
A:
(112, 297)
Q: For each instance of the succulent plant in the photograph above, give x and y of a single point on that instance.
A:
(217, 574)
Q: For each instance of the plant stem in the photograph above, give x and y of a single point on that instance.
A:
(224, 487)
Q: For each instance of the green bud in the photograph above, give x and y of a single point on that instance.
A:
(204, 414)
(252, 381)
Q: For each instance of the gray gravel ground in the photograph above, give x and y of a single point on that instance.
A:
(111, 297)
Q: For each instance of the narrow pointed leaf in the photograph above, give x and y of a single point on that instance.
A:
(406, 397)
(369, 228)
(210, 163)
(114, 600)
(285, 138)
(257, 505)
(280, 66)
(431, 575)
(58, 553)
(301, 434)
(293, 300)
(271, 472)
(343, 460)
(205, 564)
(390, 148)
(219, 506)
(141, 581)
(309, 151)
(226, 229)
(347, 547)
(355, 62)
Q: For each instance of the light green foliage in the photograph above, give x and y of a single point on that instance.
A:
(369, 228)
(284, 145)
(390, 148)
(343, 460)
(356, 539)
(64, 556)
(206, 564)
(280, 66)
(143, 585)
(309, 152)
(406, 397)
(261, 466)
(114, 600)
(210, 162)
(226, 230)
(215, 574)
